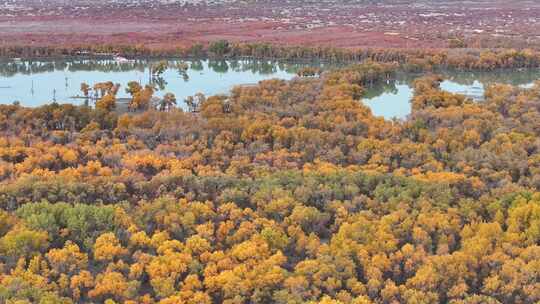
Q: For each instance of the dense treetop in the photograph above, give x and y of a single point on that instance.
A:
(284, 192)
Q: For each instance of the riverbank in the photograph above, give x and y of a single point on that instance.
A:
(410, 59)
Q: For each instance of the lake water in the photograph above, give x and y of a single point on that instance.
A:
(392, 99)
(40, 82)
(395, 101)
(35, 83)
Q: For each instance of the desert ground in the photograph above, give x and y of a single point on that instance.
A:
(362, 23)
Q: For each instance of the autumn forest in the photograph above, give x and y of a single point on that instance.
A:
(283, 192)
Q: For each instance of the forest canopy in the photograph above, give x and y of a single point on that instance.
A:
(284, 192)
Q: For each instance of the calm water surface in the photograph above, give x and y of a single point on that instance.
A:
(40, 82)
(392, 99)
(35, 83)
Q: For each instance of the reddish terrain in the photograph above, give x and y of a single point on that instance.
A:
(386, 23)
